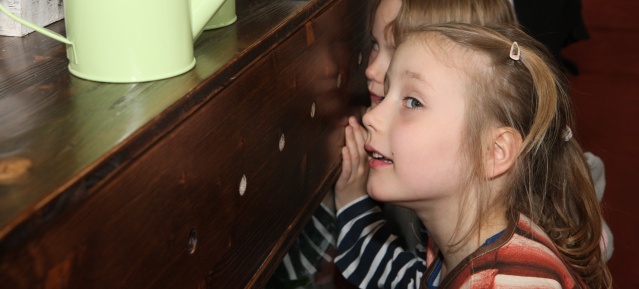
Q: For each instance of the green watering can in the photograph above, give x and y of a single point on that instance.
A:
(125, 41)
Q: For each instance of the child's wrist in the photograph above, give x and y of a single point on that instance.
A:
(350, 204)
(343, 201)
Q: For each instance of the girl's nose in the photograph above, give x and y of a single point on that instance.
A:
(374, 71)
(370, 119)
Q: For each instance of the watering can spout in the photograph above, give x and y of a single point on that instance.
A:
(201, 13)
(35, 27)
(42, 30)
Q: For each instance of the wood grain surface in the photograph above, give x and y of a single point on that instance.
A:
(139, 185)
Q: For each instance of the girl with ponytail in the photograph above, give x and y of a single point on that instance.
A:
(474, 135)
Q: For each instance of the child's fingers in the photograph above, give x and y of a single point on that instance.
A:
(354, 151)
(359, 134)
(351, 183)
(345, 175)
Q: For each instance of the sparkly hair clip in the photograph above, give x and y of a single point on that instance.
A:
(514, 51)
(567, 134)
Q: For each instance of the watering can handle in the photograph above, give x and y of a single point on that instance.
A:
(40, 29)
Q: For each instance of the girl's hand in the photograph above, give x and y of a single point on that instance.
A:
(352, 181)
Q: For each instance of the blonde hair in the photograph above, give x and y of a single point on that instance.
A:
(550, 181)
(416, 13)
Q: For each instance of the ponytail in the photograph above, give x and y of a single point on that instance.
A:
(557, 174)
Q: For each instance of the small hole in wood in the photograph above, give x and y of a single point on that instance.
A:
(282, 142)
(243, 185)
(192, 241)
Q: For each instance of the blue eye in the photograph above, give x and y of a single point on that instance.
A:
(410, 102)
(375, 46)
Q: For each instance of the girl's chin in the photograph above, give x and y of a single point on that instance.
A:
(386, 194)
(379, 194)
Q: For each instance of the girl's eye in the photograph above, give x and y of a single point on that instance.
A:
(375, 45)
(410, 102)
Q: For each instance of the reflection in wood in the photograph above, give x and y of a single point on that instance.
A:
(136, 185)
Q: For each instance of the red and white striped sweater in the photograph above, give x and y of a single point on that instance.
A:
(522, 257)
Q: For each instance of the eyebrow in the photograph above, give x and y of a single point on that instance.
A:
(413, 75)
(405, 74)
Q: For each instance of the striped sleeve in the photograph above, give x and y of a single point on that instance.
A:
(369, 255)
(310, 247)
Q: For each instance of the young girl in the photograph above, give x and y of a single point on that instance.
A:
(474, 135)
(300, 264)
(391, 18)
(394, 17)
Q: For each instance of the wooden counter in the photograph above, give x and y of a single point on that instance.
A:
(197, 181)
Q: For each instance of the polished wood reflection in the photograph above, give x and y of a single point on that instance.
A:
(138, 185)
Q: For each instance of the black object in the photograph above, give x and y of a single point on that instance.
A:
(555, 23)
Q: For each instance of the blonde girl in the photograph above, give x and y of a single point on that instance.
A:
(475, 135)
(390, 18)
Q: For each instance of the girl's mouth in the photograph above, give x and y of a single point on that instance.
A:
(380, 157)
(377, 159)
(376, 99)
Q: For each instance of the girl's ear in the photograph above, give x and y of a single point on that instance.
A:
(505, 147)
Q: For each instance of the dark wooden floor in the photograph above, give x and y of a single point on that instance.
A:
(606, 97)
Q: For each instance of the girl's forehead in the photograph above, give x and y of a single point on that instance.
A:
(446, 50)
(428, 53)
(426, 44)
(387, 11)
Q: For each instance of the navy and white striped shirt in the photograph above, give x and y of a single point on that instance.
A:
(369, 255)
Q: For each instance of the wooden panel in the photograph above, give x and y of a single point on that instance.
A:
(279, 125)
(76, 132)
